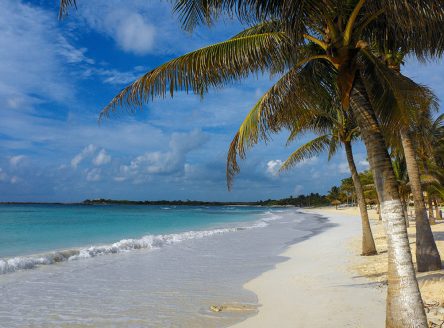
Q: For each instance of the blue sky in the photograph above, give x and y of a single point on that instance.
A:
(56, 76)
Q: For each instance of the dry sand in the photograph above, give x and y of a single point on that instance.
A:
(314, 287)
(326, 283)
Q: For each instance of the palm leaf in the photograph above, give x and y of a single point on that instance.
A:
(64, 7)
(395, 98)
(333, 146)
(193, 13)
(293, 96)
(212, 66)
(307, 151)
(295, 14)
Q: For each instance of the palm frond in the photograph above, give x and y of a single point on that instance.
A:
(262, 27)
(196, 12)
(64, 7)
(396, 98)
(409, 26)
(294, 15)
(306, 151)
(212, 66)
(333, 146)
(293, 96)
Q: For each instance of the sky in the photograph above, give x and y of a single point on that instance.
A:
(56, 76)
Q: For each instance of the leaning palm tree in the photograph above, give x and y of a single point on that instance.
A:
(400, 169)
(427, 254)
(336, 28)
(333, 127)
(429, 141)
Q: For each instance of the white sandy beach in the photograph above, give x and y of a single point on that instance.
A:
(314, 288)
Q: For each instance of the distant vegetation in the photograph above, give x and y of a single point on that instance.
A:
(313, 199)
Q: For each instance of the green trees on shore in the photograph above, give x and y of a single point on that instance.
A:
(321, 49)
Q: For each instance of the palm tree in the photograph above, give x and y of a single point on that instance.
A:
(427, 254)
(400, 169)
(334, 128)
(336, 29)
(429, 140)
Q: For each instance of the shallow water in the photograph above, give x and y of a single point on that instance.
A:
(169, 286)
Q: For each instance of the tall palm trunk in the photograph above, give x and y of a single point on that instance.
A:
(368, 244)
(404, 304)
(437, 210)
(430, 209)
(427, 255)
(406, 214)
(429, 198)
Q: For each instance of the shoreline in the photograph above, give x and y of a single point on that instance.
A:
(182, 282)
(314, 287)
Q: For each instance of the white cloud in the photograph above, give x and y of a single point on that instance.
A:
(364, 164)
(170, 162)
(273, 167)
(114, 76)
(343, 168)
(32, 56)
(308, 162)
(3, 175)
(315, 174)
(87, 151)
(71, 54)
(102, 158)
(134, 34)
(124, 23)
(93, 175)
(16, 160)
(298, 189)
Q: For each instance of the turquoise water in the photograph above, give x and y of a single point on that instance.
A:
(181, 262)
(33, 229)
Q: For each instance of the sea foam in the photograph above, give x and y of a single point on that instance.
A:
(9, 265)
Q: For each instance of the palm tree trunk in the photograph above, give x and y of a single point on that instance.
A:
(368, 244)
(404, 304)
(437, 210)
(378, 210)
(427, 255)
(406, 214)
(429, 198)
(430, 208)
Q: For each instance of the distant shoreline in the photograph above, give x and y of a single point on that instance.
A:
(300, 201)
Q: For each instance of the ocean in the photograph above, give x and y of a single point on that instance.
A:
(138, 266)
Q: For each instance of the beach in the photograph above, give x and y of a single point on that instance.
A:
(325, 282)
(179, 278)
(252, 267)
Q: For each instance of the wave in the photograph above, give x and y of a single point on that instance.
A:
(124, 245)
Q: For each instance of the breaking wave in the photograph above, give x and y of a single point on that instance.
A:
(9, 265)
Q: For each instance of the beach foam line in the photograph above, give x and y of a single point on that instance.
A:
(9, 265)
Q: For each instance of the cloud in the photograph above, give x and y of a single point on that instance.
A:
(171, 162)
(308, 162)
(16, 160)
(32, 57)
(364, 164)
(124, 23)
(146, 27)
(93, 175)
(87, 151)
(134, 34)
(273, 167)
(3, 175)
(298, 189)
(102, 158)
(343, 168)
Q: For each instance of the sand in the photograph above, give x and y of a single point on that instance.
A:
(314, 287)
(326, 283)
